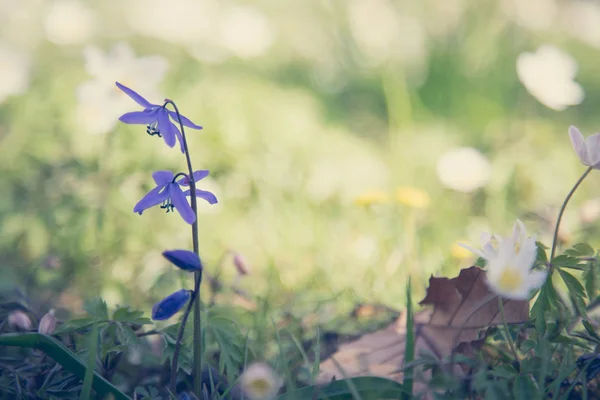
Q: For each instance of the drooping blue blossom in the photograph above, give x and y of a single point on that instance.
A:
(169, 194)
(170, 305)
(157, 118)
(184, 259)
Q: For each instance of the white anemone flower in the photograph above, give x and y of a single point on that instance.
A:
(69, 22)
(509, 262)
(259, 382)
(587, 149)
(548, 76)
(464, 169)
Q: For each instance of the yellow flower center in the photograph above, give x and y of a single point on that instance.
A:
(260, 386)
(510, 280)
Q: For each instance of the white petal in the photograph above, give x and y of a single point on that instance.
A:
(536, 279)
(579, 145)
(593, 149)
(473, 250)
(527, 255)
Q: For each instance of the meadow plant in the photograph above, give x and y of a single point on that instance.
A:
(170, 195)
(476, 335)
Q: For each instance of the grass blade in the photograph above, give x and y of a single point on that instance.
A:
(86, 390)
(62, 355)
(409, 350)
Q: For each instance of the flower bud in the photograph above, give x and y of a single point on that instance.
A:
(18, 319)
(170, 305)
(240, 264)
(184, 259)
(47, 323)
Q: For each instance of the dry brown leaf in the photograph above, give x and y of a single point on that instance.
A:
(462, 308)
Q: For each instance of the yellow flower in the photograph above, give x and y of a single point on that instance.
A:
(259, 382)
(372, 197)
(457, 251)
(413, 197)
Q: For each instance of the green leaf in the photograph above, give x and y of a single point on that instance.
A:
(64, 357)
(542, 257)
(524, 388)
(126, 335)
(369, 388)
(75, 325)
(591, 330)
(506, 371)
(590, 279)
(96, 308)
(565, 261)
(573, 285)
(124, 314)
(580, 250)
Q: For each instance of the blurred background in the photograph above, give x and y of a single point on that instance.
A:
(351, 143)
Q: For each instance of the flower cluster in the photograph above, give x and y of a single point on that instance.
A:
(171, 189)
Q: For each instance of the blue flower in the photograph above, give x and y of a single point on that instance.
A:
(157, 119)
(170, 305)
(184, 259)
(169, 194)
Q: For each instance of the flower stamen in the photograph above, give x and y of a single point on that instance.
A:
(152, 129)
(510, 279)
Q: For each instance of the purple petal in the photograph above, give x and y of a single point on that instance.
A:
(203, 194)
(179, 138)
(198, 175)
(184, 259)
(185, 121)
(170, 305)
(136, 97)
(165, 128)
(181, 204)
(162, 177)
(139, 117)
(154, 197)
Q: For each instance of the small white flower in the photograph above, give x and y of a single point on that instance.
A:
(464, 169)
(259, 382)
(548, 76)
(509, 262)
(588, 149)
(69, 22)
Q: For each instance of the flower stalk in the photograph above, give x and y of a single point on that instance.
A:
(195, 299)
(562, 210)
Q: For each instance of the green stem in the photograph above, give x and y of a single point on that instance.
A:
(195, 300)
(64, 357)
(562, 210)
(506, 332)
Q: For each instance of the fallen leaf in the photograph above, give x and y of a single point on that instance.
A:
(461, 308)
